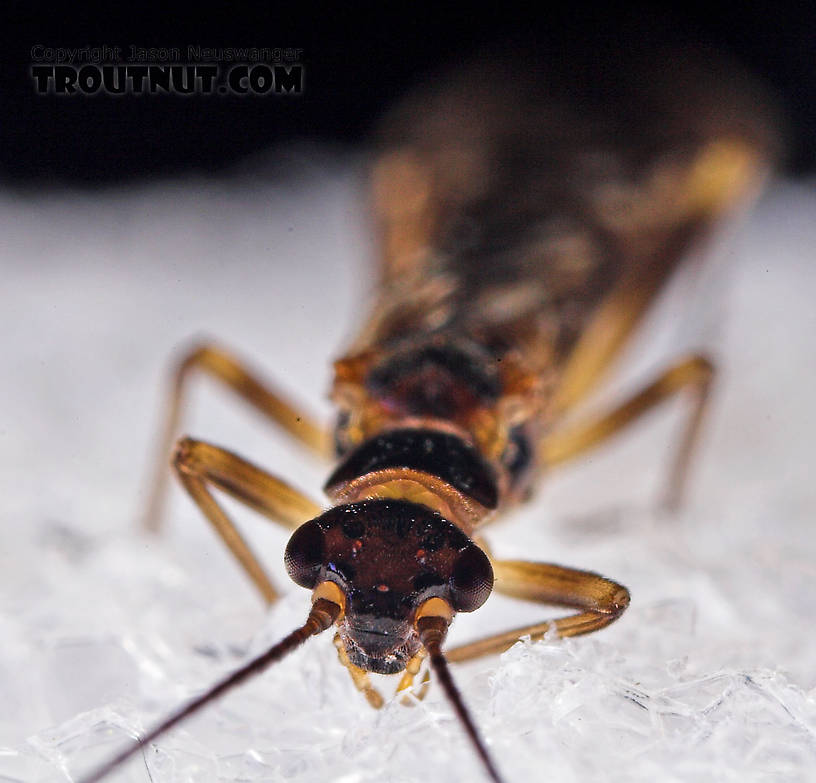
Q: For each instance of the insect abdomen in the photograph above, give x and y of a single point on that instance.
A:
(511, 205)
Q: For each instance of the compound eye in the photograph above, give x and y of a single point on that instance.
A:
(472, 580)
(304, 555)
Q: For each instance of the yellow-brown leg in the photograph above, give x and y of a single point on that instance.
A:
(724, 173)
(600, 600)
(608, 331)
(200, 464)
(223, 367)
(694, 373)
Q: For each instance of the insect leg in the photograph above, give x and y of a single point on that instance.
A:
(694, 373)
(725, 173)
(608, 331)
(224, 368)
(199, 464)
(600, 600)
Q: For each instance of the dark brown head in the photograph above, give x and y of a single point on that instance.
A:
(388, 557)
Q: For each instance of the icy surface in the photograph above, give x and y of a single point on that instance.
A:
(708, 676)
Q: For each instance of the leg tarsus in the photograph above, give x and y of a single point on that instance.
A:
(700, 376)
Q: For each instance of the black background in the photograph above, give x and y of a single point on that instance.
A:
(356, 63)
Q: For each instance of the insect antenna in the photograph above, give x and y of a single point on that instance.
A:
(432, 631)
(323, 615)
